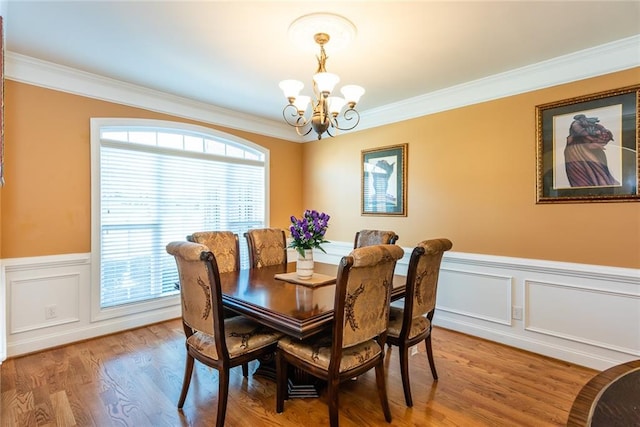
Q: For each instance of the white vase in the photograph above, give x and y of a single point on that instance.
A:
(304, 265)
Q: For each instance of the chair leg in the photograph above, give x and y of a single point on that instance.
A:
(332, 401)
(281, 382)
(404, 373)
(223, 394)
(245, 370)
(432, 364)
(382, 390)
(188, 370)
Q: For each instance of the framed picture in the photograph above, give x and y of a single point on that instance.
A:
(384, 181)
(587, 148)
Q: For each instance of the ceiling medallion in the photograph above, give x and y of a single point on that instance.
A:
(303, 30)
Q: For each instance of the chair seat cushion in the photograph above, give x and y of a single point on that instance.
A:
(419, 324)
(242, 336)
(317, 351)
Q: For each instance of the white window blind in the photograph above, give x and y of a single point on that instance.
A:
(159, 185)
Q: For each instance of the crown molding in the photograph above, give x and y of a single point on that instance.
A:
(596, 61)
(599, 60)
(49, 75)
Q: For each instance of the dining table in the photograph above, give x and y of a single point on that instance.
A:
(296, 307)
(273, 296)
(610, 398)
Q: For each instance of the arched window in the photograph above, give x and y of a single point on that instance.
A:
(154, 182)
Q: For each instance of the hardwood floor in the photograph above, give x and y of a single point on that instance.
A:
(134, 378)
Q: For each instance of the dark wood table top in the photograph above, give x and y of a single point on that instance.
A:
(296, 310)
(611, 398)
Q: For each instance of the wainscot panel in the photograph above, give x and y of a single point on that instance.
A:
(49, 304)
(600, 306)
(476, 295)
(48, 301)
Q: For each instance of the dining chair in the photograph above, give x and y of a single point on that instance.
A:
(267, 246)
(355, 343)
(225, 246)
(374, 237)
(212, 340)
(411, 324)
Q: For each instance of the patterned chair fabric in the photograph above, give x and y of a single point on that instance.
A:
(224, 245)
(355, 343)
(212, 340)
(374, 237)
(411, 324)
(267, 246)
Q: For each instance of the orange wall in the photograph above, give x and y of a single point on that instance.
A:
(472, 178)
(46, 202)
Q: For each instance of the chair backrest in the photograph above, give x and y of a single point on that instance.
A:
(374, 237)
(363, 292)
(200, 291)
(267, 246)
(422, 278)
(225, 246)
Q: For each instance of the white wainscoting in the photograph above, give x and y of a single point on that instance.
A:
(583, 314)
(62, 283)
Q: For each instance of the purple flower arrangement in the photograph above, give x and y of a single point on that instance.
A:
(308, 232)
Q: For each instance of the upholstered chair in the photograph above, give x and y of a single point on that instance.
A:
(267, 246)
(212, 340)
(225, 246)
(355, 343)
(412, 324)
(374, 237)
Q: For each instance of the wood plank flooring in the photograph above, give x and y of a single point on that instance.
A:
(133, 379)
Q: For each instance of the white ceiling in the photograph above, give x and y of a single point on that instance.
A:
(232, 54)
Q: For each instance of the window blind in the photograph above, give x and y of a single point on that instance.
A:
(152, 195)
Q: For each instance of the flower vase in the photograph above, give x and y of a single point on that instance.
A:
(304, 265)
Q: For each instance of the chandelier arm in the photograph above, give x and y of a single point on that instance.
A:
(303, 133)
(293, 118)
(349, 115)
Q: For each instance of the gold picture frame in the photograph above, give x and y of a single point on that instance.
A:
(587, 148)
(384, 181)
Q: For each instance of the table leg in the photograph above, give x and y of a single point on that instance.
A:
(266, 367)
(301, 384)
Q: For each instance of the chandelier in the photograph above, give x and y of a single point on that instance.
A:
(329, 112)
